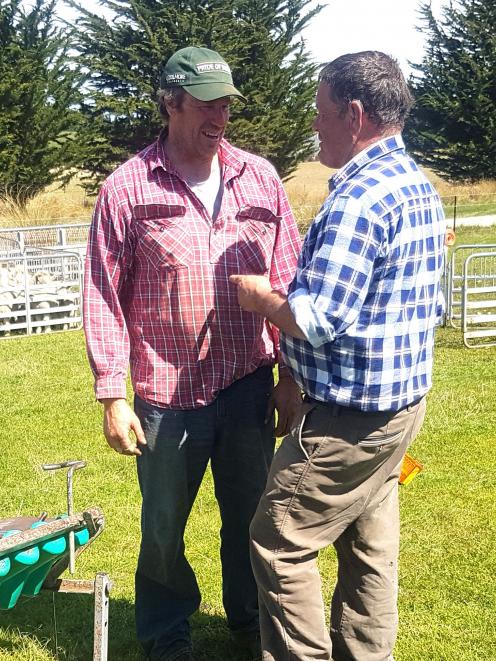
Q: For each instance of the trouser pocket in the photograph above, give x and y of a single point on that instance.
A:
(306, 409)
(379, 441)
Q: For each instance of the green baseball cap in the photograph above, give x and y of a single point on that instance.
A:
(202, 72)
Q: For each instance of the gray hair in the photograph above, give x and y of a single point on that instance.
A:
(169, 95)
(376, 80)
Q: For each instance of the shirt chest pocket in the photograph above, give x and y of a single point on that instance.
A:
(257, 231)
(161, 237)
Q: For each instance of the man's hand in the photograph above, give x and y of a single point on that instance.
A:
(251, 290)
(118, 421)
(286, 398)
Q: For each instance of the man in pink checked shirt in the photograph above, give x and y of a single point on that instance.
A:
(170, 226)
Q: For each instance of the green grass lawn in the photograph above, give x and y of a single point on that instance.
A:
(475, 235)
(469, 208)
(447, 588)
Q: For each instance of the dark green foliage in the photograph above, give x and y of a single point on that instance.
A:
(38, 90)
(453, 126)
(259, 39)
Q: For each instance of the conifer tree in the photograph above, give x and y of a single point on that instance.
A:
(38, 92)
(453, 125)
(261, 40)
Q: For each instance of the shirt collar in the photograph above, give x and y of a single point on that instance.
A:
(229, 157)
(366, 156)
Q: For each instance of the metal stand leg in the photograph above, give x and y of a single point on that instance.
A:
(100, 631)
(100, 588)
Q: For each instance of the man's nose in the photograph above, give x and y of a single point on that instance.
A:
(220, 116)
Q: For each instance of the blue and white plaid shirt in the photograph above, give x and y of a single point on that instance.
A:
(367, 288)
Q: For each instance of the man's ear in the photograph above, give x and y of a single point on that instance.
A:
(171, 107)
(356, 117)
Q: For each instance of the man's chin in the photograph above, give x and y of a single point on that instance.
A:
(324, 160)
(212, 146)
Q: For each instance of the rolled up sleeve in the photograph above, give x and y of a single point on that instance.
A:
(331, 287)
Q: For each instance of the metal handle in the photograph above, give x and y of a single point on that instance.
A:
(71, 466)
(73, 463)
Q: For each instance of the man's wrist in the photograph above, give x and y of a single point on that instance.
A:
(107, 402)
(269, 302)
(284, 372)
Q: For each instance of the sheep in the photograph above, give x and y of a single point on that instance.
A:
(9, 293)
(68, 298)
(46, 292)
(6, 299)
(50, 298)
(43, 300)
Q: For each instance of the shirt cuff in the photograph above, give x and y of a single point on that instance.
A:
(107, 388)
(313, 323)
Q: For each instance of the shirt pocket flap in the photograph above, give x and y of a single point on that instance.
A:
(261, 214)
(158, 212)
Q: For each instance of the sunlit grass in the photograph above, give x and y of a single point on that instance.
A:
(447, 588)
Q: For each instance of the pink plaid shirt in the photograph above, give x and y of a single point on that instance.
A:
(157, 291)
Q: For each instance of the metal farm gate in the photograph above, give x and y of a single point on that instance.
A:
(479, 300)
(41, 270)
(453, 280)
(40, 289)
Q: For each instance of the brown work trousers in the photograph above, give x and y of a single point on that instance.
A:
(334, 480)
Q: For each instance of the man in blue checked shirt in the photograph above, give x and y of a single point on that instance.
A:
(357, 333)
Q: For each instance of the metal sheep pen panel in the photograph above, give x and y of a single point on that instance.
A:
(479, 300)
(453, 278)
(40, 289)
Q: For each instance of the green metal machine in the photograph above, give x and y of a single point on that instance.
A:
(35, 551)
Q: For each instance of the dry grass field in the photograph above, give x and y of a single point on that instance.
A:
(306, 188)
(53, 206)
(310, 181)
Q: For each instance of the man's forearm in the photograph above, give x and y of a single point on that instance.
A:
(275, 307)
(255, 294)
(278, 312)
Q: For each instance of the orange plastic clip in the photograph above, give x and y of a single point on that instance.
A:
(409, 468)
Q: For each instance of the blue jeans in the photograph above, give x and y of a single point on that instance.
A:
(231, 432)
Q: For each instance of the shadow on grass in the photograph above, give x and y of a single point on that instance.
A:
(31, 626)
